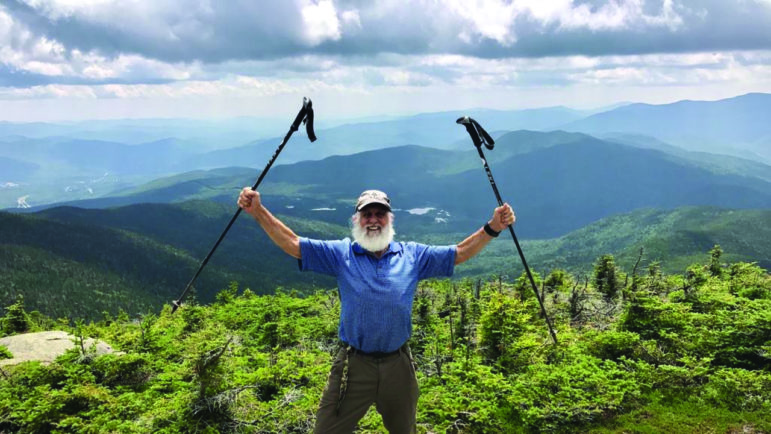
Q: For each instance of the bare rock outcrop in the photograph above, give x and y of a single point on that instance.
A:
(44, 346)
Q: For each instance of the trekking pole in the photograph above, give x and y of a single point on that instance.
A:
(304, 116)
(479, 136)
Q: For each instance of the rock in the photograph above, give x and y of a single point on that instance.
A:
(44, 346)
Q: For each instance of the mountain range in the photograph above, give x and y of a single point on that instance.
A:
(739, 126)
(558, 182)
(49, 163)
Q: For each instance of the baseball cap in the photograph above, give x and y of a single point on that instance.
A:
(369, 197)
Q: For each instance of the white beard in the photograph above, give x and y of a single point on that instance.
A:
(373, 242)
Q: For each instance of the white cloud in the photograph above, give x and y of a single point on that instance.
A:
(23, 51)
(495, 19)
(489, 18)
(233, 86)
(214, 32)
(44, 68)
(351, 18)
(615, 14)
(179, 49)
(462, 72)
(48, 91)
(320, 21)
(57, 9)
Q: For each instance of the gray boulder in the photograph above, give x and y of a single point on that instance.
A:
(44, 346)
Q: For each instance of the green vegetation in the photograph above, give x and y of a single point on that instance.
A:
(681, 353)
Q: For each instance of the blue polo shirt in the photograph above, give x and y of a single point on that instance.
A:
(376, 294)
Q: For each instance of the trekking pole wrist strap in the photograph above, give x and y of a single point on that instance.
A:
(490, 231)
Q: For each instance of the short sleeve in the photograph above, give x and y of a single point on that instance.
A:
(322, 256)
(434, 261)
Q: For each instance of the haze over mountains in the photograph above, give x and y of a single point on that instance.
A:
(140, 214)
(92, 166)
(736, 126)
(561, 181)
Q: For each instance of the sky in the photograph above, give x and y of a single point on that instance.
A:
(102, 59)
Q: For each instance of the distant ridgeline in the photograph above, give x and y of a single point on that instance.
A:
(557, 181)
(76, 263)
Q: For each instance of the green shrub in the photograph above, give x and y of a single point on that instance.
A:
(16, 319)
(130, 371)
(503, 327)
(466, 400)
(675, 330)
(749, 281)
(612, 345)
(739, 390)
(558, 280)
(554, 397)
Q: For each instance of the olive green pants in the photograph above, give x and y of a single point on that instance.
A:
(388, 382)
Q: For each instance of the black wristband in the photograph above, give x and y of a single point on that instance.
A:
(490, 231)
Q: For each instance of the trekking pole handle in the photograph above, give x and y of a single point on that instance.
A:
(305, 115)
(478, 134)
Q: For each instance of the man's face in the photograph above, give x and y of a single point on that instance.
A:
(373, 228)
(373, 219)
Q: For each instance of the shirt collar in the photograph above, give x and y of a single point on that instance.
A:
(393, 247)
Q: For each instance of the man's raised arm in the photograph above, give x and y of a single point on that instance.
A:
(282, 236)
(503, 216)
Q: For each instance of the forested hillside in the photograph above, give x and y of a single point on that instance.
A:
(78, 263)
(639, 351)
(71, 262)
(675, 238)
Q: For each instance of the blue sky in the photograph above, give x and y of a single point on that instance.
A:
(88, 59)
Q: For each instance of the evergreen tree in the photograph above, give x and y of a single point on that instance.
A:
(16, 318)
(714, 261)
(605, 277)
(557, 280)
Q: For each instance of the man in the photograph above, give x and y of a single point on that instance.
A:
(377, 279)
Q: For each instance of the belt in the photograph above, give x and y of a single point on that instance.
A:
(374, 354)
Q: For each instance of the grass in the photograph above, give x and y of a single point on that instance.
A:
(686, 417)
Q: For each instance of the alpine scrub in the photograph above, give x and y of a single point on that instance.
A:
(677, 353)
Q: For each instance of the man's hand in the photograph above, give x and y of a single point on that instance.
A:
(249, 201)
(288, 241)
(503, 216)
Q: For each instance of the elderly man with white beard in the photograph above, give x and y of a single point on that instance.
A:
(377, 278)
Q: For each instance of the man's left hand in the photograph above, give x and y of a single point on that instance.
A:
(503, 216)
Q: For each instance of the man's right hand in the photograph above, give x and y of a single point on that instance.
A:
(249, 201)
(288, 241)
